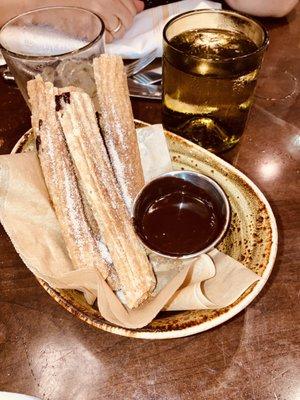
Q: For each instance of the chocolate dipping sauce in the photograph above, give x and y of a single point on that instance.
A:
(176, 218)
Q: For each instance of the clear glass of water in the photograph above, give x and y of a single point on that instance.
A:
(59, 43)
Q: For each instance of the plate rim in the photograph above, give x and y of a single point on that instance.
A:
(203, 326)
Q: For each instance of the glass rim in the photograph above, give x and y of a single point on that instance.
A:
(262, 47)
(52, 57)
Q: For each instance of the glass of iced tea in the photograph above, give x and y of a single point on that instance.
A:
(210, 65)
(57, 42)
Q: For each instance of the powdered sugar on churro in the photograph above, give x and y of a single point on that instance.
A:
(120, 172)
(78, 168)
(117, 125)
(112, 126)
(104, 251)
(133, 270)
(72, 208)
(61, 179)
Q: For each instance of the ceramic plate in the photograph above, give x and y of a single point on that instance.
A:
(251, 239)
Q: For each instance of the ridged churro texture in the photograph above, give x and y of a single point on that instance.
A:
(80, 178)
(117, 125)
(60, 178)
(78, 120)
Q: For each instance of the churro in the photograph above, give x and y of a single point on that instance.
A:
(78, 120)
(61, 179)
(117, 125)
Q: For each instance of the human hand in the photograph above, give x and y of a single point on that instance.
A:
(117, 15)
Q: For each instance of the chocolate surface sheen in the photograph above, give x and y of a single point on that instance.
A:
(176, 218)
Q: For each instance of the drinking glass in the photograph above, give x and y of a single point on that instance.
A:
(211, 61)
(59, 43)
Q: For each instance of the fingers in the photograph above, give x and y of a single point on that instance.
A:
(115, 27)
(139, 5)
(129, 4)
(108, 37)
(125, 11)
(118, 16)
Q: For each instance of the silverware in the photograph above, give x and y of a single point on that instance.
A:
(131, 69)
(7, 75)
(147, 78)
(135, 89)
(153, 92)
(136, 66)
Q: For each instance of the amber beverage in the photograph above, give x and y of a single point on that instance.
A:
(210, 66)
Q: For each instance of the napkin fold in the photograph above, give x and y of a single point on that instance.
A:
(154, 152)
(210, 281)
(145, 35)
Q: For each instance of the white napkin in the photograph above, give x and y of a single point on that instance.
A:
(154, 152)
(146, 33)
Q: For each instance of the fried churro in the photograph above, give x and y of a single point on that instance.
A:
(78, 120)
(117, 125)
(60, 177)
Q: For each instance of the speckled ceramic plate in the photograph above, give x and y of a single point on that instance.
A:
(251, 239)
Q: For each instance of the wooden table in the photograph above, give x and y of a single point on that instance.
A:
(46, 352)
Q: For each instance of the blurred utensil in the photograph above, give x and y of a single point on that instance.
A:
(147, 78)
(136, 89)
(7, 75)
(136, 66)
(131, 69)
(152, 92)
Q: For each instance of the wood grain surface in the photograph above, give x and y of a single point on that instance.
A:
(46, 352)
